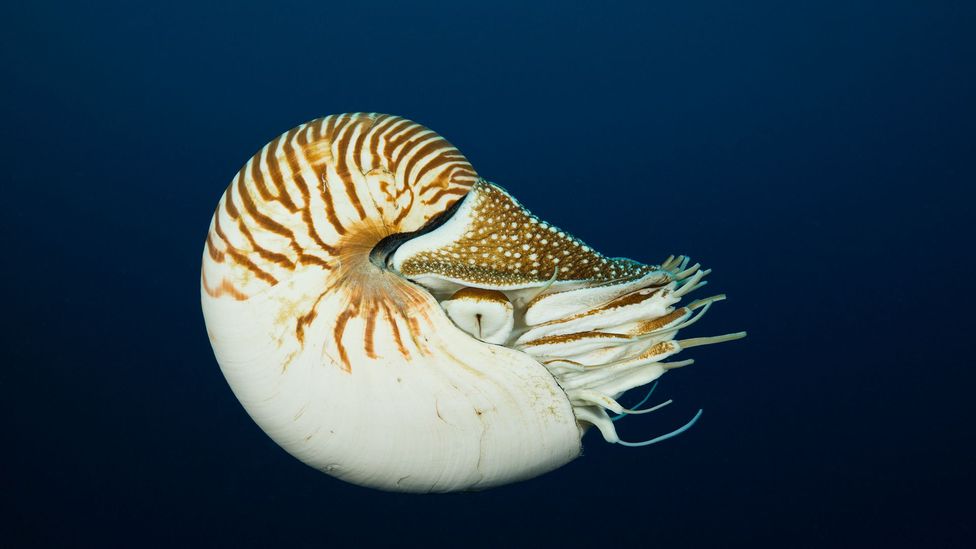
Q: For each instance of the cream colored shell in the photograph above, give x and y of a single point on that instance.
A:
(345, 356)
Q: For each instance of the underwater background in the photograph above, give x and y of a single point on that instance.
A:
(818, 156)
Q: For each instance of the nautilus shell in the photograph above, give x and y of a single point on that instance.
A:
(392, 319)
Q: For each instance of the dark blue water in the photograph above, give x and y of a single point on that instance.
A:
(819, 156)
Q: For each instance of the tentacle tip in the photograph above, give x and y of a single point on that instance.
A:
(664, 437)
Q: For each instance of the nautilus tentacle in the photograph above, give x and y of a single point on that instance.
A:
(390, 318)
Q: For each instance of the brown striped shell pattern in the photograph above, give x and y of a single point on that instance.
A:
(392, 319)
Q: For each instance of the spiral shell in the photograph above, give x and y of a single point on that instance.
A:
(390, 318)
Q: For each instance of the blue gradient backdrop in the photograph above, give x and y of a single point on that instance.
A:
(819, 156)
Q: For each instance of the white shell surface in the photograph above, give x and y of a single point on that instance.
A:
(466, 416)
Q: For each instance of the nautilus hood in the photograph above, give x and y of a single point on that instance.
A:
(392, 319)
(492, 241)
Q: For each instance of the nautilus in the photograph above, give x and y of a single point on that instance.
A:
(391, 318)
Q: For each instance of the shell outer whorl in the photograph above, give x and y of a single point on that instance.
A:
(321, 196)
(302, 196)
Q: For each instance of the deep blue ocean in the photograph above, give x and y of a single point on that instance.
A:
(818, 156)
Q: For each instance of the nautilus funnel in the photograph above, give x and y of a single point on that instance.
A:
(390, 318)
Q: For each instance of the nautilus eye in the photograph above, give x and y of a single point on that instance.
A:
(485, 314)
(392, 319)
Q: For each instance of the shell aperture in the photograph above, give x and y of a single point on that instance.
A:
(390, 318)
(492, 241)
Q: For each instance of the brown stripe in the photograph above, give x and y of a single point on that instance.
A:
(415, 334)
(225, 288)
(396, 330)
(294, 166)
(385, 189)
(657, 349)
(242, 259)
(369, 335)
(266, 254)
(394, 141)
(330, 213)
(306, 319)
(302, 137)
(406, 209)
(357, 150)
(397, 126)
(274, 171)
(403, 137)
(568, 338)
(626, 300)
(337, 331)
(309, 259)
(441, 181)
(229, 197)
(631, 298)
(303, 187)
(266, 222)
(442, 192)
(421, 154)
(215, 254)
(342, 170)
(318, 127)
(220, 232)
(377, 133)
(463, 172)
(320, 180)
(395, 132)
(262, 220)
(329, 130)
(258, 178)
(660, 322)
(481, 294)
